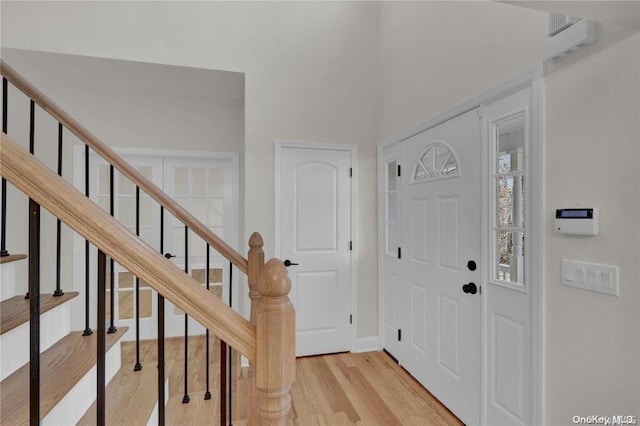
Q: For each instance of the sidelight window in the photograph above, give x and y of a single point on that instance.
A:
(509, 186)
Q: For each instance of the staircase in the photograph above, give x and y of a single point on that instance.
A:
(54, 375)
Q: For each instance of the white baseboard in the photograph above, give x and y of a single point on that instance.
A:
(367, 344)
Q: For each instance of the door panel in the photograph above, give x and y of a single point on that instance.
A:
(316, 231)
(441, 208)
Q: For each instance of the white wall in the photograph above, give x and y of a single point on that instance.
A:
(593, 153)
(436, 54)
(125, 104)
(310, 73)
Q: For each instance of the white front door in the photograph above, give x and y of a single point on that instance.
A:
(440, 286)
(316, 238)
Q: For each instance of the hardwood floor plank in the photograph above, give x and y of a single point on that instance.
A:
(335, 390)
(318, 390)
(371, 408)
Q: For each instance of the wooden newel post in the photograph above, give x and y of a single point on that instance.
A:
(275, 330)
(255, 265)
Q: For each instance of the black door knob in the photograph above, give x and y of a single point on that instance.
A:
(169, 255)
(470, 288)
(288, 263)
(472, 265)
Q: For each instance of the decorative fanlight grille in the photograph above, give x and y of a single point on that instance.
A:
(436, 161)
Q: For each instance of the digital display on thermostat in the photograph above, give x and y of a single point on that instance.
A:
(574, 213)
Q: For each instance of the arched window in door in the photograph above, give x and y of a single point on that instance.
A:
(436, 161)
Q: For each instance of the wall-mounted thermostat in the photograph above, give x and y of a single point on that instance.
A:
(577, 221)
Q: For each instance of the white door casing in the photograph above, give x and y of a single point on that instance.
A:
(315, 232)
(389, 241)
(440, 234)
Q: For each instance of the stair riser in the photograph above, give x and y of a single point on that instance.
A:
(74, 404)
(153, 419)
(14, 345)
(7, 281)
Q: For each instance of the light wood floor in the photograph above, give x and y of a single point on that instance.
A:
(339, 389)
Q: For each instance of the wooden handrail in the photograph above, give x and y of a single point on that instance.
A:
(122, 166)
(78, 212)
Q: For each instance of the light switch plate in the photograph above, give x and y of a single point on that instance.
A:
(590, 276)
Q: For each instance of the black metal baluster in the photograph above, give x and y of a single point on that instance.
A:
(207, 394)
(32, 138)
(34, 312)
(223, 382)
(138, 366)
(230, 349)
(87, 328)
(112, 275)
(3, 220)
(185, 398)
(58, 291)
(101, 351)
(161, 407)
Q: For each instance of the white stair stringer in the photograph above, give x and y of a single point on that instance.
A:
(14, 344)
(78, 400)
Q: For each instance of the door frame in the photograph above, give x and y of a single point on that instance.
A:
(534, 80)
(279, 145)
(79, 242)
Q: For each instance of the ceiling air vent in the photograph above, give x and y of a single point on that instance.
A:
(566, 34)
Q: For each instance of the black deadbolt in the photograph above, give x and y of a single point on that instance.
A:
(470, 288)
(471, 265)
(288, 263)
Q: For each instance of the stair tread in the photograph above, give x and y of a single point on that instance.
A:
(12, 258)
(197, 412)
(131, 397)
(15, 311)
(61, 367)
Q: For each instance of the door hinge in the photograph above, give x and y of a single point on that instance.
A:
(350, 245)
(399, 173)
(350, 319)
(350, 171)
(399, 252)
(399, 335)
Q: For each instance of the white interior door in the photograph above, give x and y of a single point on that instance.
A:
(205, 188)
(390, 273)
(440, 235)
(316, 236)
(124, 209)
